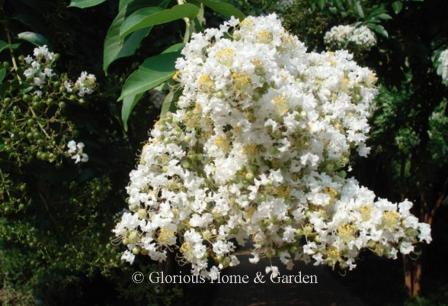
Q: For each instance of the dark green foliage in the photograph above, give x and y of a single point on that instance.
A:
(56, 216)
(308, 24)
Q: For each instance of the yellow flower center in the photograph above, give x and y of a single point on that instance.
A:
(205, 82)
(240, 80)
(390, 219)
(366, 212)
(250, 149)
(371, 79)
(307, 230)
(185, 248)
(281, 105)
(345, 82)
(247, 22)
(346, 232)
(333, 253)
(331, 192)
(225, 56)
(222, 142)
(165, 236)
(264, 37)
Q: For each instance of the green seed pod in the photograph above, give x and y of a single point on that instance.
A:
(133, 237)
(135, 250)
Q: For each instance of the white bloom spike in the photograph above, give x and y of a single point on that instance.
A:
(254, 153)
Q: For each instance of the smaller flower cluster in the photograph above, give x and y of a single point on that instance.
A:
(84, 85)
(40, 71)
(350, 36)
(285, 4)
(40, 66)
(76, 152)
(442, 68)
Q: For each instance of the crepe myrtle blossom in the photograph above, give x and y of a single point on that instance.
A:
(40, 71)
(256, 152)
(442, 68)
(40, 66)
(76, 152)
(346, 36)
(284, 4)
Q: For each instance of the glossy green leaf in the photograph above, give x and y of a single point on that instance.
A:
(3, 45)
(384, 16)
(223, 8)
(151, 73)
(152, 16)
(169, 103)
(34, 38)
(379, 29)
(129, 102)
(358, 9)
(397, 6)
(85, 3)
(321, 4)
(115, 46)
(2, 74)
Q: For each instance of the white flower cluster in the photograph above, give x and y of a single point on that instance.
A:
(40, 71)
(40, 66)
(84, 85)
(255, 152)
(284, 4)
(442, 68)
(345, 36)
(76, 152)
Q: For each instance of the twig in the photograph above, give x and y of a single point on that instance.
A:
(8, 38)
(38, 123)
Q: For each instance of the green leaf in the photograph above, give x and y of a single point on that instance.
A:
(122, 5)
(4, 45)
(152, 16)
(358, 9)
(34, 38)
(169, 103)
(129, 102)
(379, 29)
(321, 4)
(85, 3)
(115, 47)
(384, 16)
(2, 74)
(151, 73)
(397, 6)
(223, 8)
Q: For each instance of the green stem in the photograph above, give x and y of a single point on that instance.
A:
(188, 28)
(8, 38)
